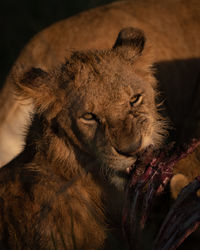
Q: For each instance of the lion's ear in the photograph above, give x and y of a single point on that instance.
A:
(130, 42)
(36, 84)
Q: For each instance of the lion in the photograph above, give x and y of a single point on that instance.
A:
(93, 115)
(91, 212)
(171, 27)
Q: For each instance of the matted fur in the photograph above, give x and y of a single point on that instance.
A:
(175, 41)
(174, 36)
(93, 115)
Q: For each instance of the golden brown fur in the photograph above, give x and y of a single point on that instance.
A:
(93, 115)
(41, 173)
(171, 26)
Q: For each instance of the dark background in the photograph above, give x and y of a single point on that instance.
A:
(21, 19)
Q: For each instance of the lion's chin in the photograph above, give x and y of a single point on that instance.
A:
(119, 181)
(120, 178)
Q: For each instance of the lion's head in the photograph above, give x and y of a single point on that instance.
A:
(101, 104)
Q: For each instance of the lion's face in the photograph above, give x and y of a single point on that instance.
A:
(108, 107)
(113, 113)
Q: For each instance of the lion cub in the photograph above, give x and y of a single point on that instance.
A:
(93, 115)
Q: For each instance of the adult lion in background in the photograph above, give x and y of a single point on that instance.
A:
(93, 115)
(172, 28)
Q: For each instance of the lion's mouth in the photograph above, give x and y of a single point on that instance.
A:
(138, 167)
(125, 173)
(129, 171)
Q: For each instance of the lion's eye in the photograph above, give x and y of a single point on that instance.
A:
(89, 116)
(136, 100)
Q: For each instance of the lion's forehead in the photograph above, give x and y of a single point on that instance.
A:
(106, 95)
(104, 86)
(110, 105)
(111, 86)
(113, 73)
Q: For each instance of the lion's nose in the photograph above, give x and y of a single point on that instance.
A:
(130, 149)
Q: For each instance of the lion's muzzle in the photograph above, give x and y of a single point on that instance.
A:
(129, 149)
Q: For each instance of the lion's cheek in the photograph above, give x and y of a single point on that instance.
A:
(147, 141)
(86, 133)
